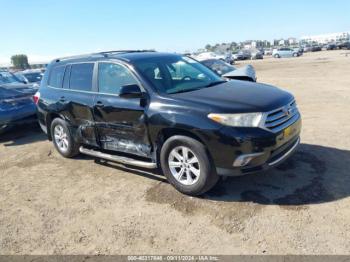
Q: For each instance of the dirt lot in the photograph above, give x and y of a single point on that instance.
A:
(52, 205)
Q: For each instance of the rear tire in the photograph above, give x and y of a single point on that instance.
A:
(277, 56)
(187, 166)
(63, 139)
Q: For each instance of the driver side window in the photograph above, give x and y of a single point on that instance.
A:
(111, 78)
(181, 70)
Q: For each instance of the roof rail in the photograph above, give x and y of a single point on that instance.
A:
(72, 57)
(104, 53)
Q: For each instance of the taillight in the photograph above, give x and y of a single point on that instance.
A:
(36, 97)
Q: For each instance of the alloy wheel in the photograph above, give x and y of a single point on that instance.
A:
(61, 138)
(184, 165)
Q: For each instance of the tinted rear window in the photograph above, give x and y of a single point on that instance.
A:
(81, 76)
(56, 76)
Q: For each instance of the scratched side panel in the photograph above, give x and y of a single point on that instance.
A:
(121, 125)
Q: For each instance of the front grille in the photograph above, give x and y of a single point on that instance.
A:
(281, 118)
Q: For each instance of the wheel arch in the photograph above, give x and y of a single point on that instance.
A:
(166, 133)
(49, 118)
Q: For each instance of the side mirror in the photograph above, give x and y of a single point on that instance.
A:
(130, 91)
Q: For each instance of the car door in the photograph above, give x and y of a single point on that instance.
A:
(282, 52)
(120, 121)
(288, 52)
(72, 98)
(78, 96)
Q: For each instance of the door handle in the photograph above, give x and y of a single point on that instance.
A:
(100, 104)
(62, 99)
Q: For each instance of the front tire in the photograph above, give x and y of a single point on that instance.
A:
(62, 138)
(187, 166)
(277, 56)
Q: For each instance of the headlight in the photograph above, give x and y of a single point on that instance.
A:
(239, 120)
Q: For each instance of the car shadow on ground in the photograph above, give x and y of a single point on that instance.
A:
(22, 134)
(314, 174)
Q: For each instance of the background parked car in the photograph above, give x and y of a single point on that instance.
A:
(231, 72)
(330, 46)
(299, 50)
(228, 58)
(209, 55)
(316, 48)
(268, 51)
(307, 48)
(344, 45)
(16, 102)
(242, 55)
(284, 52)
(33, 76)
(256, 54)
(237, 56)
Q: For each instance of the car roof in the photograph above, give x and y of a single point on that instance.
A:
(128, 56)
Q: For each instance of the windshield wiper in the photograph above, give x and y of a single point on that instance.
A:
(185, 90)
(215, 83)
(198, 88)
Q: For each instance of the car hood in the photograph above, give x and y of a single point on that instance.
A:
(28, 89)
(245, 71)
(237, 97)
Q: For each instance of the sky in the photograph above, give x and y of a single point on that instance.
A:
(45, 29)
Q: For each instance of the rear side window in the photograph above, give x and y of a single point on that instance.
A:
(56, 76)
(81, 76)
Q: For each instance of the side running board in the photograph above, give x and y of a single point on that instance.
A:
(119, 159)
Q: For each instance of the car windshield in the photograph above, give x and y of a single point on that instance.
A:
(176, 74)
(7, 78)
(219, 66)
(33, 77)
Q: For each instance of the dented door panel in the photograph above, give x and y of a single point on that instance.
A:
(121, 125)
(78, 111)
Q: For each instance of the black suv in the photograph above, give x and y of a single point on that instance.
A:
(151, 109)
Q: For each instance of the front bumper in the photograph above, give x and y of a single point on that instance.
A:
(267, 149)
(275, 159)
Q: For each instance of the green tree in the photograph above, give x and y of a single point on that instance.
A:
(20, 61)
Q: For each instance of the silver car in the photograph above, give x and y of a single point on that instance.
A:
(284, 52)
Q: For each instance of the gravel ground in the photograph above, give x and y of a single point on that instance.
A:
(52, 205)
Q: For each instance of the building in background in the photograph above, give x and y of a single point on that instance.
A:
(292, 41)
(326, 38)
(280, 42)
(256, 44)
